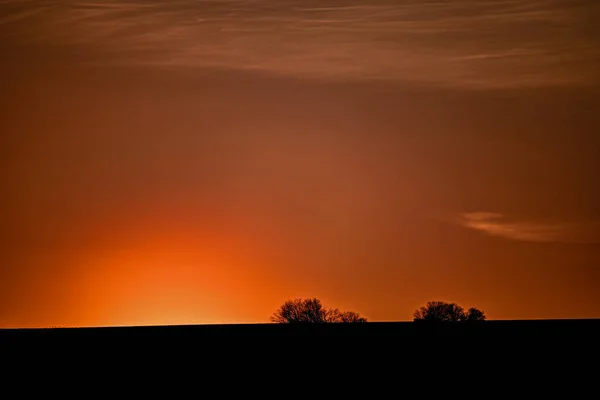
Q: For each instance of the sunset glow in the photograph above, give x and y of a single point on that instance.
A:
(201, 162)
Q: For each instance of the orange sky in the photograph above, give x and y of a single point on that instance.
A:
(187, 162)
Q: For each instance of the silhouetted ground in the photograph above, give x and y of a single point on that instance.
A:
(517, 328)
(510, 352)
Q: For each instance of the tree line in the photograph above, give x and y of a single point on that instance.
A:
(312, 310)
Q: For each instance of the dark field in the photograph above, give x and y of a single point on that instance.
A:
(589, 328)
(559, 348)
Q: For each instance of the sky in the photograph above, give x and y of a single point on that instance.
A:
(200, 162)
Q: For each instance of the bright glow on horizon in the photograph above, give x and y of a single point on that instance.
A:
(193, 162)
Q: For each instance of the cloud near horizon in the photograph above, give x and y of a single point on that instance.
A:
(496, 224)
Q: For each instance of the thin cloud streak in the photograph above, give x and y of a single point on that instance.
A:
(467, 44)
(495, 224)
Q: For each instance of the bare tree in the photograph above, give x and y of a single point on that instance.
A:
(351, 317)
(335, 315)
(300, 311)
(440, 311)
(475, 315)
(312, 311)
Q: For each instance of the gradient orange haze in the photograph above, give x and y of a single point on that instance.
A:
(185, 162)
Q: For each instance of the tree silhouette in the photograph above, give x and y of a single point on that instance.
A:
(311, 310)
(300, 311)
(475, 315)
(440, 311)
(351, 317)
(336, 315)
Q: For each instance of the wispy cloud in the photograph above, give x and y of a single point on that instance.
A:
(462, 43)
(496, 224)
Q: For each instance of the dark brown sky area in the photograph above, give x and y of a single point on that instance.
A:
(174, 162)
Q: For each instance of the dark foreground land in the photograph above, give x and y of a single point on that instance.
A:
(542, 329)
(515, 349)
